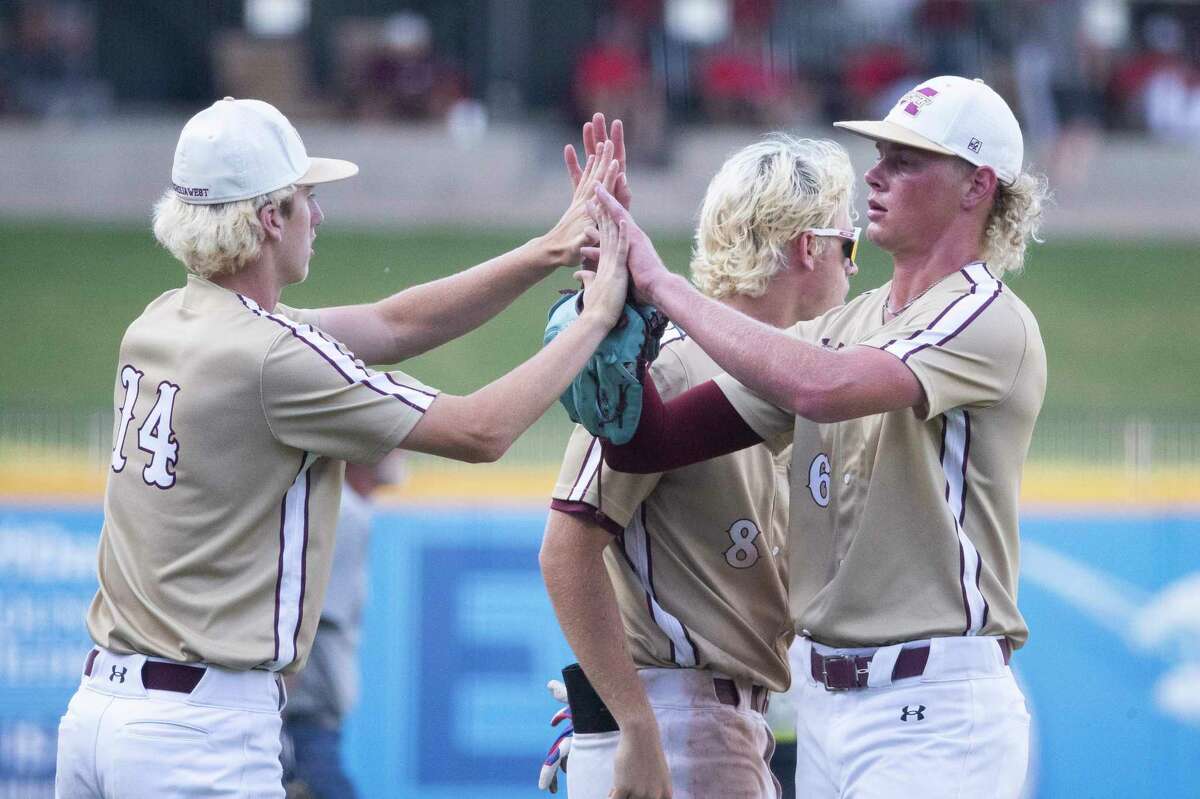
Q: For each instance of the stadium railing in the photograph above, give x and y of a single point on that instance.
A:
(1086, 457)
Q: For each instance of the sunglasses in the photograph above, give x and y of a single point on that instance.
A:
(849, 239)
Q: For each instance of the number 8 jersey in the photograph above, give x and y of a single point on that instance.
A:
(697, 561)
(232, 426)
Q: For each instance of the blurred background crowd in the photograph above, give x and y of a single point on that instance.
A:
(1075, 67)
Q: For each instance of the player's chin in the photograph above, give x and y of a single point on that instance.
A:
(299, 275)
(877, 234)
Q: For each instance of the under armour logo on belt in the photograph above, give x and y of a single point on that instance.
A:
(909, 710)
(118, 674)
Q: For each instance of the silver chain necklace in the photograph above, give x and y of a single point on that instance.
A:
(887, 304)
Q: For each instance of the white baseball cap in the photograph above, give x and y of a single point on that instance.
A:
(953, 116)
(238, 149)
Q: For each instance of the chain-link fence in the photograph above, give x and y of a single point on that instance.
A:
(79, 442)
(1133, 442)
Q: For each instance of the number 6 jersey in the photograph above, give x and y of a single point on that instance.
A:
(232, 426)
(697, 560)
(904, 524)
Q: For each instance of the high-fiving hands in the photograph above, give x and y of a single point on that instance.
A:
(594, 137)
(606, 289)
(646, 268)
(576, 228)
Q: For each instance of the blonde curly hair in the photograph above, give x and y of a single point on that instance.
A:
(1014, 220)
(758, 203)
(215, 240)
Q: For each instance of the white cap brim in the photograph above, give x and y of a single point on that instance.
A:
(326, 170)
(890, 131)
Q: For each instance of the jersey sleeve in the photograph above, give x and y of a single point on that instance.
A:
(967, 352)
(305, 316)
(585, 479)
(318, 397)
(772, 424)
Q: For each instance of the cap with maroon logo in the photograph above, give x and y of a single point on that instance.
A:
(953, 116)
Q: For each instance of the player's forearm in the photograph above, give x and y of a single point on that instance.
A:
(481, 426)
(572, 561)
(511, 404)
(431, 314)
(420, 318)
(791, 374)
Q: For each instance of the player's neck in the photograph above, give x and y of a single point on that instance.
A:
(783, 305)
(766, 309)
(914, 273)
(253, 281)
(931, 258)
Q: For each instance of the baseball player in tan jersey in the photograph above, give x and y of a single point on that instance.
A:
(694, 557)
(910, 411)
(234, 417)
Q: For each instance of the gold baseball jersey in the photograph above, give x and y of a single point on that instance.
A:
(232, 427)
(905, 526)
(697, 562)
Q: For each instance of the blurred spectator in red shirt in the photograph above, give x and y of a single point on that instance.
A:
(612, 75)
(401, 77)
(740, 80)
(1158, 88)
(611, 69)
(737, 84)
(53, 60)
(876, 76)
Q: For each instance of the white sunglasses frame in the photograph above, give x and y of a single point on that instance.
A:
(853, 235)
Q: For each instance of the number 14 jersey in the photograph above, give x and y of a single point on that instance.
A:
(232, 425)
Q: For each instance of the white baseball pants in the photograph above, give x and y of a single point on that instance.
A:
(959, 730)
(119, 739)
(712, 749)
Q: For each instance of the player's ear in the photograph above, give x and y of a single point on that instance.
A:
(980, 187)
(271, 219)
(802, 252)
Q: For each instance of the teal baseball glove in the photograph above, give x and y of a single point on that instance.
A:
(606, 397)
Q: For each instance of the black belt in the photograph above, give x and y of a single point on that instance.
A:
(589, 714)
(156, 674)
(728, 694)
(844, 672)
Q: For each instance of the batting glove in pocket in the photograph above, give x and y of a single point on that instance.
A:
(556, 757)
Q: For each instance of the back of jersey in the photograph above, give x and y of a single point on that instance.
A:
(220, 509)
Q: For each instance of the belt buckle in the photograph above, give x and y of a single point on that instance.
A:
(850, 676)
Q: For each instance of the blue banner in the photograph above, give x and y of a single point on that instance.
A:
(459, 640)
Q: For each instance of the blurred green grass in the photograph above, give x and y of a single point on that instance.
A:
(1119, 320)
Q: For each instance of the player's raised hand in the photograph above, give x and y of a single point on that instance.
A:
(605, 290)
(594, 137)
(645, 266)
(576, 229)
(640, 767)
